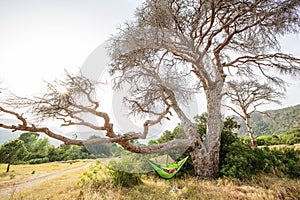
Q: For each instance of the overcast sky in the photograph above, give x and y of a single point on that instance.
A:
(41, 38)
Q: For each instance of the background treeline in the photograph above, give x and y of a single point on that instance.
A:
(289, 138)
(30, 148)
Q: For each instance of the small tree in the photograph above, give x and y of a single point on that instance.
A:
(36, 147)
(12, 151)
(30, 140)
(246, 97)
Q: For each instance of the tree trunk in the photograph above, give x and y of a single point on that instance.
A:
(8, 166)
(250, 132)
(206, 159)
(206, 164)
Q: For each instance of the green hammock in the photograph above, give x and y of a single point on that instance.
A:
(167, 170)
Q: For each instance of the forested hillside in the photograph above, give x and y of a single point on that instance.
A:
(275, 122)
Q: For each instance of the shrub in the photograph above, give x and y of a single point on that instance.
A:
(283, 162)
(123, 172)
(38, 160)
(99, 175)
(122, 178)
(240, 161)
(291, 137)
(92, 177)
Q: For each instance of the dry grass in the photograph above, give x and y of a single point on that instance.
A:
(63, 187)
(20, 173)
(262, 187)
(190, 189)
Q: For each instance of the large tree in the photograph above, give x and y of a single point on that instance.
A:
(169, 44)
(171, 40)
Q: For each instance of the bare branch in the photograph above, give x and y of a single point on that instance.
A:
(247, 96)
(68, 104)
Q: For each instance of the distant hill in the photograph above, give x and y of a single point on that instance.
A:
(279, 122)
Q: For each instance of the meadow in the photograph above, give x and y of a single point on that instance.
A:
(70, 185)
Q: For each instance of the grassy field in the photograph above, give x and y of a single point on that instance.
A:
(152, 187)
(155, 188)
(19, 173)
(63, 187)
(23, 176)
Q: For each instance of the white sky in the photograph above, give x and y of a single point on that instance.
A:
(41, 38)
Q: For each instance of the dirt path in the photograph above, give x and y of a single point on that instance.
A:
(22, 185)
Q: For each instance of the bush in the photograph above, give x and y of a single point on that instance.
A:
(123, 172)
(291, 137)
(115, 178)
(240, 161)
(267, 140)
(38, 160)
(122, 178)
(284, 162)
(36, 155)
(93, 177)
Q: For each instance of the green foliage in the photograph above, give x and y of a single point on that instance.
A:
(122, 178)
(291, 137)
(246, 140)
(39, 150)
(283, 162)
(100, 150)
(111, 176)
(33, 143)
(116, 150)
(131, 162)
(240, 161)
(201, 121)
(268, 140)
(177, 133)
(152, 142)
(38, 160)
(227, 138)
(93, 176)
(13, 151)
(227, 135)
(28, 138)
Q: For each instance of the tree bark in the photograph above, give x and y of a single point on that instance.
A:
(206, 164)
(206, 158)
(8, 166)
(250, 132)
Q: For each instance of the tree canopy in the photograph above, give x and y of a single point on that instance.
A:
(13, 151)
